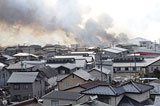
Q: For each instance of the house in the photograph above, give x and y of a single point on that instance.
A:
(93, 103)
(63, 98)
(67, 68)
(104, 75)
(139, 65)
(29, 102)
(4, 75)
(87, 85)
(113, 95)
(26, 85)
(73, 79)
(115, 52)
(156, 91)
(79, 63)
(9, 59)
(25, 56)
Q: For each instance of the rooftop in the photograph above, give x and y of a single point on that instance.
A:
(23, 77)
(62, 95)
(129, 87)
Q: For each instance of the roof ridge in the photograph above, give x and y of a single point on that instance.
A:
(136, 86)
(113, 89)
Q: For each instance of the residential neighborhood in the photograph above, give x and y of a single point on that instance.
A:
(79, 53)
(80, 78)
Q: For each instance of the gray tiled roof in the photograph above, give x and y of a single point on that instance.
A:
(126, 101)
(22, 77)
(104, 90)
(62, 95)
(136, 87)
(83, 74)
(93, 103)
(129, 87)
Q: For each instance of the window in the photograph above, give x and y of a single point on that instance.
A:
(54, 103)
(17, 97)
(25, 86)
(126, 68)
(66, 84)
(16, 86)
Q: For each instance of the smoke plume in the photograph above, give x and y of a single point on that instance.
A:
(32, 21)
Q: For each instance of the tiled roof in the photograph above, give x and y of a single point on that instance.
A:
(129, 87)
(30, 102)
(93, 103)
(84, 75)
(126, 101)
(62, 95)
(103, 90)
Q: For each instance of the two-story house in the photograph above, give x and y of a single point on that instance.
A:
(128, 93)
(76, 78)
(26, 85)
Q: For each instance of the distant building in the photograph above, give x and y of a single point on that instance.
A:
(25, 56)
(114, 52)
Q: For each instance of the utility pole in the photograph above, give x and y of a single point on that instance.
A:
(135, 65)
(101, 64)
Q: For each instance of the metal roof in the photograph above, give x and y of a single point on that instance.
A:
(87, 58)
(146, 62)
(22, 77)
(19, 65)
(112, 50)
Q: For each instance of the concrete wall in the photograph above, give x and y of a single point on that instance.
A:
(139, 97)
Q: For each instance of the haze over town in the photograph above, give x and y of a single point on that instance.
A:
(82, 21)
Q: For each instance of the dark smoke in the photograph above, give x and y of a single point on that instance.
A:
(66, 15)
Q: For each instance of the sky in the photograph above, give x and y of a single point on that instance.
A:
(89, 22)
